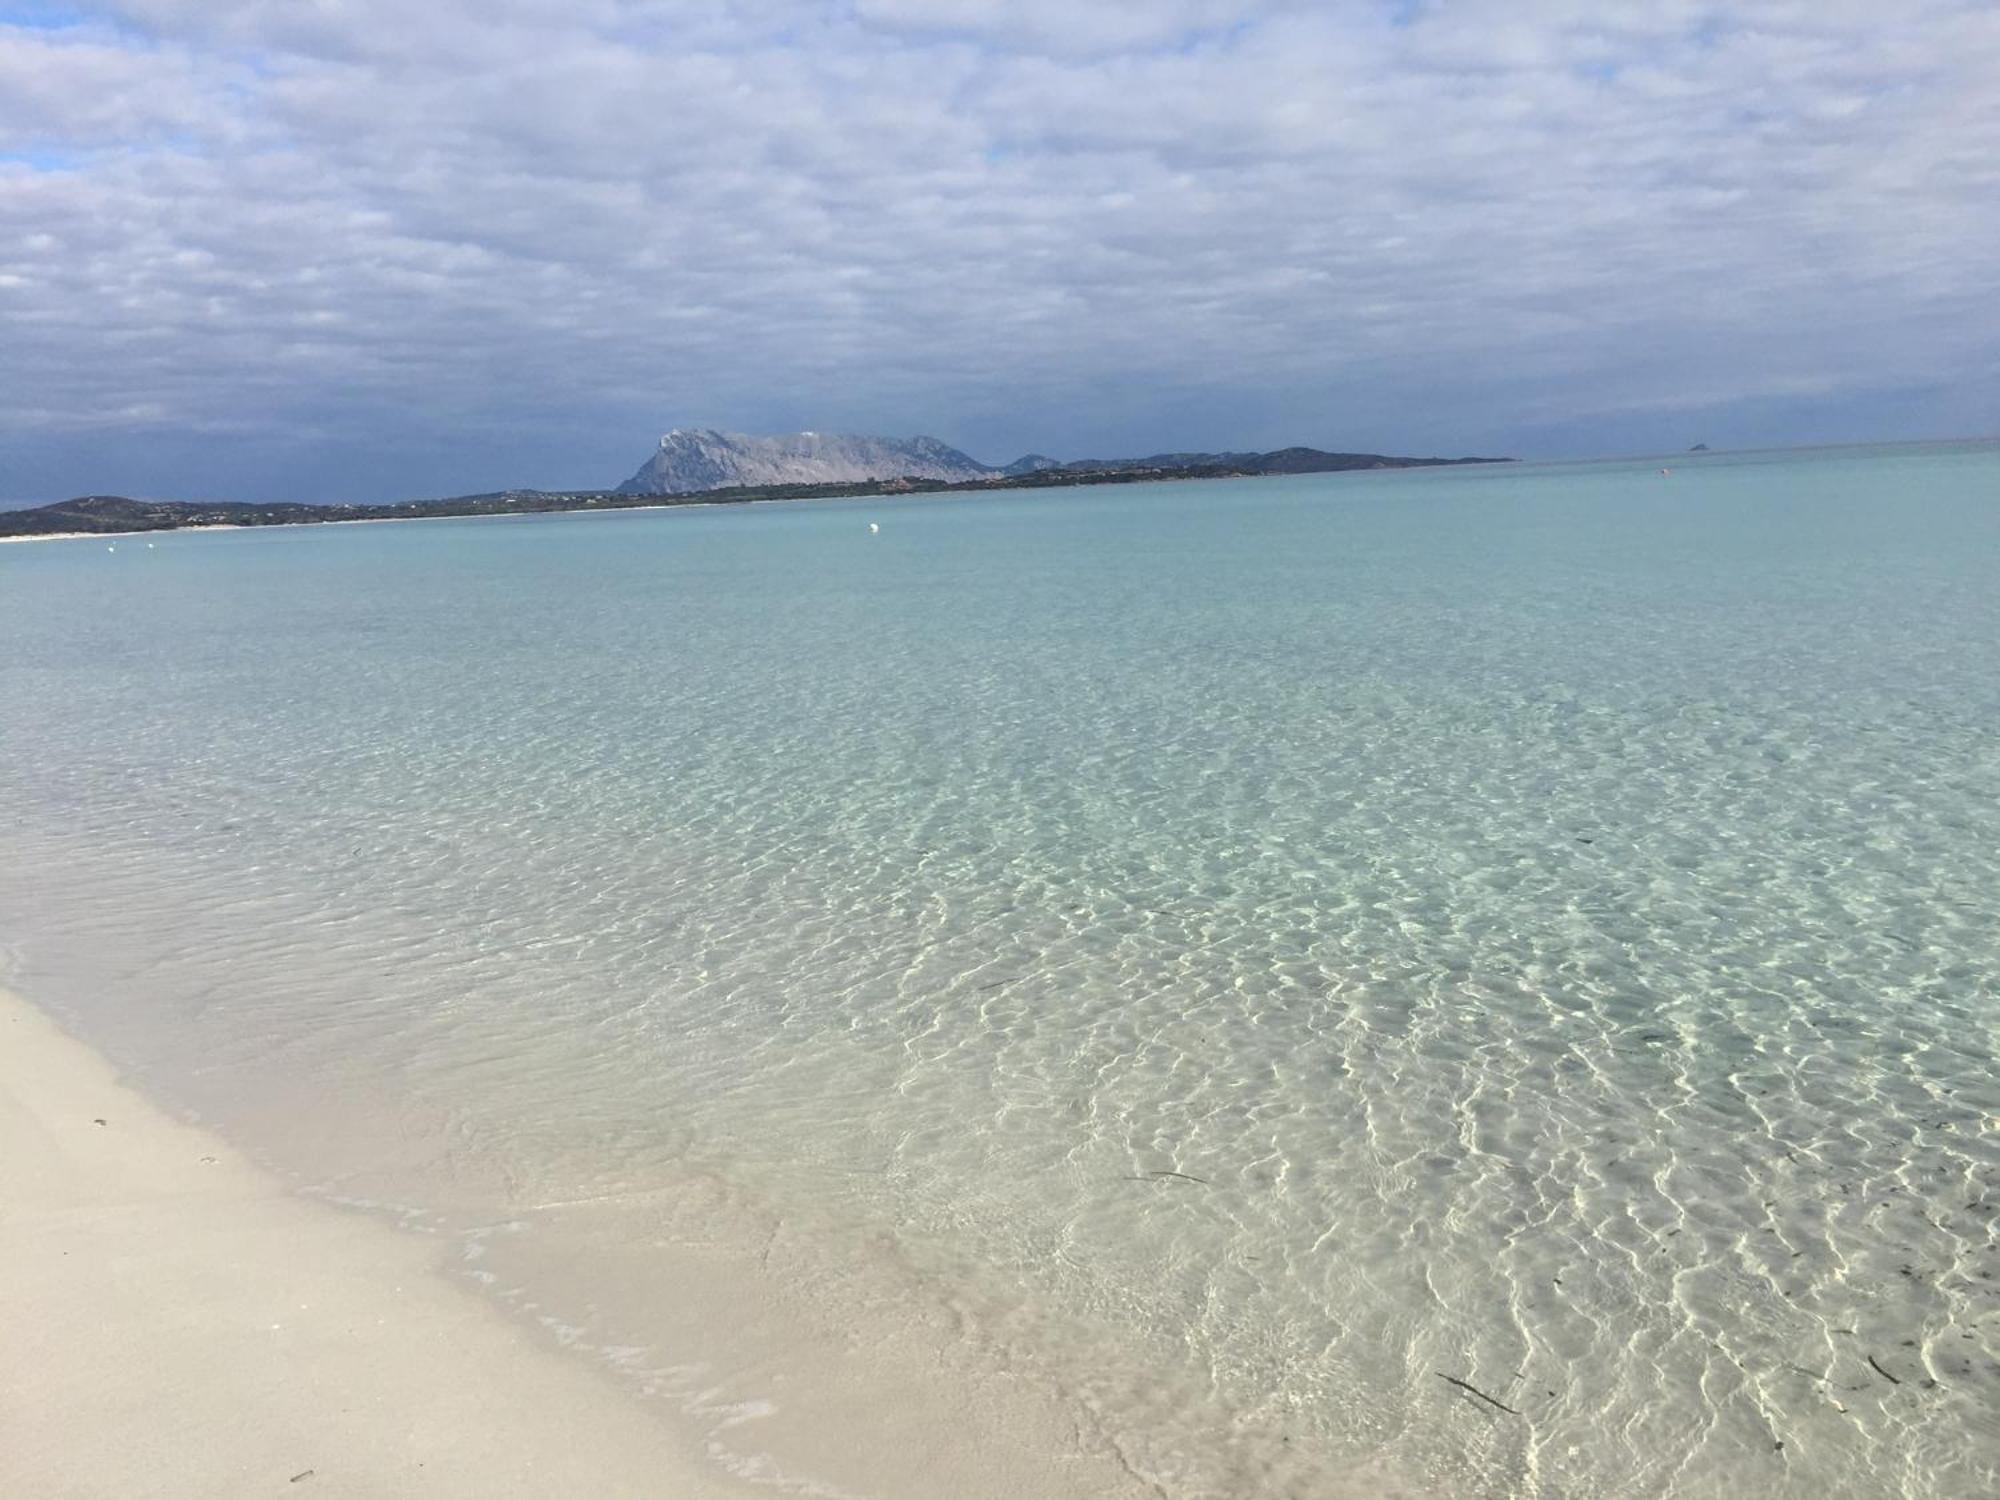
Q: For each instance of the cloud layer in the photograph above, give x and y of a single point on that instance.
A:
(361, 249)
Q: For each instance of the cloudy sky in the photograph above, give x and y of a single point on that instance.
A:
(325, 249)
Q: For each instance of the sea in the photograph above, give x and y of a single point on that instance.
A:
(1461, 982)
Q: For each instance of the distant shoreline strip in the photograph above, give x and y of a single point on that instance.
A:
(100, 516)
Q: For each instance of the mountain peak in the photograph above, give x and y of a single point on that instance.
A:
(704, 459)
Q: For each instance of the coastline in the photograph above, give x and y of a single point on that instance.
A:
(113, 537)
(760, 495)
(235, 1331)
(181, 1323)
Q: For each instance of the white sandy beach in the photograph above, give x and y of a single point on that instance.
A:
(177, 1323)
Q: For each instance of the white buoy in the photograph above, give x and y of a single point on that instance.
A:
(110, 549)
(149, 546)
(873, 528)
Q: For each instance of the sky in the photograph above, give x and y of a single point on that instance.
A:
(369, 249)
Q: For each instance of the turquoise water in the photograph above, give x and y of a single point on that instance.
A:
(1267, 944)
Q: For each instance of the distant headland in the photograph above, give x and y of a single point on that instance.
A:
(705, 467)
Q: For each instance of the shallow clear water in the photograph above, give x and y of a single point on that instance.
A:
(1267, 944)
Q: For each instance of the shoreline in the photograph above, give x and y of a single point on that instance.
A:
(967, 490)
(179, 1322)
(112, 537)
(237, 1329)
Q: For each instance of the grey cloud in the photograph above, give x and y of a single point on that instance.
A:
(1063, 27)
(88, 88)
(460, 245)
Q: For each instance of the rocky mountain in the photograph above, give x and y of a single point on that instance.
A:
(688, 462)
(703, 459)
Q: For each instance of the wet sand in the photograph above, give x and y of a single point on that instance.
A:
(182, 1322)
(178, 1323)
